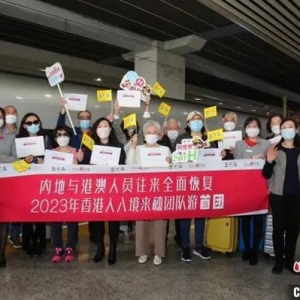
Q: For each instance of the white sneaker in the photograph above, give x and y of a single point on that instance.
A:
(142, 259)
(157, 260)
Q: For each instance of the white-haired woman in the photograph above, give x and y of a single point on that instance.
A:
(151, 131)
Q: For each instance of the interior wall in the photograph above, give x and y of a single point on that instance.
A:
(33, 95)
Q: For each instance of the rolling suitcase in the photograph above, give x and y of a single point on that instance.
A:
(268, 248)
(222, 234)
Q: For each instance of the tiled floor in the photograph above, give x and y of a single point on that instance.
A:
(220, 278)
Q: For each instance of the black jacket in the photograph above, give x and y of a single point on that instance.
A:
(165, 141)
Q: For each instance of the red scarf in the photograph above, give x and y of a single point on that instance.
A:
(250, 143)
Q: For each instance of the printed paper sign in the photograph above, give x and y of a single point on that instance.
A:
(210, 112)
(215, 135)
(58, 158)
(76, 102)
(129, 98)
(55, 74)
(21, 165)
(164, 109)
(230, 139)
(132, 82)
(30, 146)
(158, 90)
(106, 156)
(129, 121)
(88, 141)
(210, 154)
(104, 95)
(154, 157)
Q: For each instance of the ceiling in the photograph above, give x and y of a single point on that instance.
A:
(163, 20)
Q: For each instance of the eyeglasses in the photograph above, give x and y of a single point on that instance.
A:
(84, 118)
(29, 123)
(62, 135)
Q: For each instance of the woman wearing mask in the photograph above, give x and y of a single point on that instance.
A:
(151, 131)
(63, 136)
(282, 168)
(229, 121)
(33, 237)
(104, 135)
(273, 127)
(195, 128)
(253, 147)
(7, 155)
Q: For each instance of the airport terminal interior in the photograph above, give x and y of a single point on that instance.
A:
(240, 56)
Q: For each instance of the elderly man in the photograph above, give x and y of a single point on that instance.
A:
(169, 135)
(11, 117)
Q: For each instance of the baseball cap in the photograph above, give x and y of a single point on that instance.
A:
(193, 113)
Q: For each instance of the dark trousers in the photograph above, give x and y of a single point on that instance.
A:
(286, 220)
(33, 237)
(72, 235)
(98, 231)
(257, 231)
(15, 230)
(3, 238)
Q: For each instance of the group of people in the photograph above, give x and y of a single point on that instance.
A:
(282, 169)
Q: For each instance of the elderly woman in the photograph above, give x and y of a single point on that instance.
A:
(151, 131)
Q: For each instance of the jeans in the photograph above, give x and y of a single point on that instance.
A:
(72, 235)
(257, 231)
(15, 230)
(185, 226)
(285, 212)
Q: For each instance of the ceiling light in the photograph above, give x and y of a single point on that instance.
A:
(253, 110)
(238, 107)
(48, 96)
(185, 113)
(220, 103)
(98, 79)
(197, 99)
(18, 97)
(97, 106)
(43, 70)
(268, 113)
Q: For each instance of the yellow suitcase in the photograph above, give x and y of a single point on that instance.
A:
(222, 234)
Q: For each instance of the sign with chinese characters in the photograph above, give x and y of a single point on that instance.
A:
(91, 193)
(164, 109)
(55, 74)
(158, 90)
(104, 95)
(131, 81)
(215, 135)
(210, 112)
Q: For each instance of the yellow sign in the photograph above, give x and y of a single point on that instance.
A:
(104, 95)
(210, 112)
(88, 141)
(215, 135)
(158, 90)
(129, 121)
(21, 165)
(164, 109)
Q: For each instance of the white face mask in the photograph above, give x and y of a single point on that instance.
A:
(276, 129)
(151, 139)
(229, 126)
(252, 132)
(63, 141)
(11, 119)
(1, 122)
(103, 132)
(172, 134)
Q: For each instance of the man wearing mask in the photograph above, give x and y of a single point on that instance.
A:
(11, 117)
(171, 132)
(84, 119)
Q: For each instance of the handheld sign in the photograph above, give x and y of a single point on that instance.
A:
(158, 90)
(210, 112)
(55, 75)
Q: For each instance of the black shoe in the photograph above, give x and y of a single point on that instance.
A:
(253, 260)
(100, 253)
(186, 254)
(29, 253)
(202, 252)
(15, 241)
(112, 255)
(38, 250)
(246, 255)
(277, 269)
(3, 263)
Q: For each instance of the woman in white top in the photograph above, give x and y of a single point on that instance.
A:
(151, 131)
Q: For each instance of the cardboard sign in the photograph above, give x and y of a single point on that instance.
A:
(76, 102)
(55, 74)
(132, 82)
(129, 98)
(210, 112)
(215, 135)
(164, 109)
(158, 90)
(104, 95)
(129, 121)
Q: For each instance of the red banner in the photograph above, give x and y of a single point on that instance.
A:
(132, 196)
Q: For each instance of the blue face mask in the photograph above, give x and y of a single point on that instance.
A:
(196, 125)
(288, 133)
(85, 124)
(33, 129)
